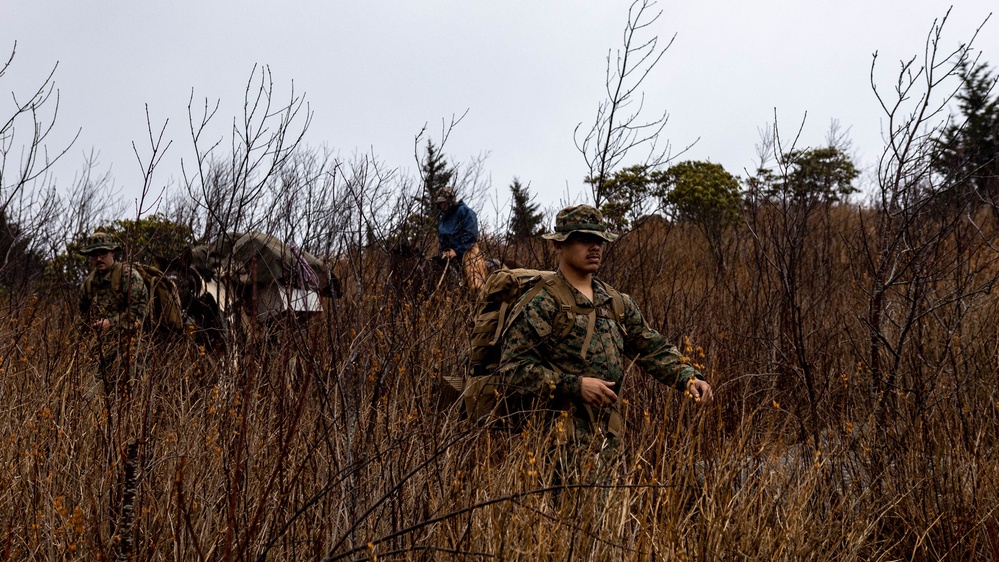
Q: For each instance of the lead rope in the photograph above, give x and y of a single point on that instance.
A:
(307, 278)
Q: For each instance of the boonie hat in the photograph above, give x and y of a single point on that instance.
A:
(582, 219)
(99, 241)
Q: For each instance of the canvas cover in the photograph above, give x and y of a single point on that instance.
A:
(275, 300)
(262, 259)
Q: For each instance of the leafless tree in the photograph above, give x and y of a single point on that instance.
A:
(158, 147)
(469, 178)
(787, 235)
(231, 187)
(618, 127)
(26, 158)
(29, 202)
(930, 263)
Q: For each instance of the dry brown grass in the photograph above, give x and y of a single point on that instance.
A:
(340, 442)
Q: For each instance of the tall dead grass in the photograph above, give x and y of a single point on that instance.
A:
(342, 442)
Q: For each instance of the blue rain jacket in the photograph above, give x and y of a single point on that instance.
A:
(457, 229)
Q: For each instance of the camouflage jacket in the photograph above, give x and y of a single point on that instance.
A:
(532, 364)
(124, 307)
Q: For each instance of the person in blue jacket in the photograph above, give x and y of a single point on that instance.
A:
(458, 234)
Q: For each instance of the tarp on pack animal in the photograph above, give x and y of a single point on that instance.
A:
(261, 259)
(270, 277)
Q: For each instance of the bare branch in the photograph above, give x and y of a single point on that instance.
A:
(618, 127)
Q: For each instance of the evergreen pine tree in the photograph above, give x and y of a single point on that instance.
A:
(525, 219)
(19, 262)
(436, 174)
(968, 150)
(418, 229)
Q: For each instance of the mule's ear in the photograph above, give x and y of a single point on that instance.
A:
(195, 256)
(186, 258)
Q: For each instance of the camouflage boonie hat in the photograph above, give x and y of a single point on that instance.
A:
(99, 241)
(582, 219)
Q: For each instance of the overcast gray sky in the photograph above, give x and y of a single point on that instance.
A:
(526, 71)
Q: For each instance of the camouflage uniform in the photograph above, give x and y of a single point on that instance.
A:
(113, 349)
(547, 373)
(124, 309)
(529, 355)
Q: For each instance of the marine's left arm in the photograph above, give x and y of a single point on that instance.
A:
(652, 352)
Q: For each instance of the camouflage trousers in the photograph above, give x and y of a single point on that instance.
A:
(582, 458)
(112, 367)
(589, 452)
(115, 361)
(120, 419)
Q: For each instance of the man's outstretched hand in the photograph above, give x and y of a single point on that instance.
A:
(700, 390)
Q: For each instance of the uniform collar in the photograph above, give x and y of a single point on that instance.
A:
(107, 272)
(600, 295)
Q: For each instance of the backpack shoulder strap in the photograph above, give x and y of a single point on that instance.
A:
(617, 303)
(88, 285)
(562, 324)
(566, 302)
(562, 293)
(508, 313)
(116, 273)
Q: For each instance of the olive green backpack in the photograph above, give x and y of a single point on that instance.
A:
(504, 295)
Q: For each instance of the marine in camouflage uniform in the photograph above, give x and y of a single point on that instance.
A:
(110, 317)
(573, 388)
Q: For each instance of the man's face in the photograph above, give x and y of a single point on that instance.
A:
(101, 260)
(581, 253)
